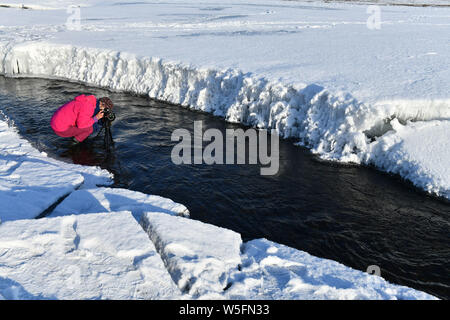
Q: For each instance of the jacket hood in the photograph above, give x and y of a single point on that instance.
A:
(84, 98)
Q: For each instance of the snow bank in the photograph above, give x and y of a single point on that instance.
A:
(30, 182)
(116, 199)
(419, 152)
(274, 271)
(46, 4)
(419, 3)
(335, 126)
(200, 257)
(74, 258)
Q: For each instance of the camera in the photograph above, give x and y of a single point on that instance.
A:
(108, 114)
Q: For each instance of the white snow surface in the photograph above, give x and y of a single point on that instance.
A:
(274, 271)
(93, 256)
(30, 182)
(200, 258)
(419, 152)
(395, 2)
(311, 70)
(116, 199)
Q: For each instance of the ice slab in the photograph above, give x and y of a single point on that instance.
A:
(418, 151)
(30, 182)
(73, 257)
(116, 199)
(199, 256)
(275, 271)
(30, 187)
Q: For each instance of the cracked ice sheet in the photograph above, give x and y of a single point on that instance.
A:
(275, 271)
(30, 182)
(199, 256)
(73, 257)
(116, 199)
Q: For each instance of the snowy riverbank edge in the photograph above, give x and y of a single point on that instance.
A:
(67, 255)
(335, 126)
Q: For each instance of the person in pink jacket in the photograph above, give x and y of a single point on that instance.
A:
(76, 118)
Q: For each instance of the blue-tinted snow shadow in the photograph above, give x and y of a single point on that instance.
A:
(83, 202)
(119, 203)
(12, 290)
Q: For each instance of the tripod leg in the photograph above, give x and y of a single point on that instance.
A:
(106, 139)
(110, 137)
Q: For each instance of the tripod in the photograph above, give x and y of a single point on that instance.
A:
(107, 139)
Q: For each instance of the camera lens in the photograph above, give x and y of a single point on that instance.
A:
(109, 114)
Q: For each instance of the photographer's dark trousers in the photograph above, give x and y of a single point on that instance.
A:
(79, 134)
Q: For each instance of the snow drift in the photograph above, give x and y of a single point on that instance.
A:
(73, 257)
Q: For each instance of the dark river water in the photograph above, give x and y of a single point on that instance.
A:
(352, 214)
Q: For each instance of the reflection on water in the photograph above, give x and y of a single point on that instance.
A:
(355, 215)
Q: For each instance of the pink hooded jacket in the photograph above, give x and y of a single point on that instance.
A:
(76, 113)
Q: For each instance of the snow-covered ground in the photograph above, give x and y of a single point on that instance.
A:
(200, 258)
(274, 271)
(110, 200)
(395, 2)
(312, 70)
(91, 246)
(93, 256)
(30, 182)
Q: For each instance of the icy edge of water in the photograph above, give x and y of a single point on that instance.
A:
(334, 125)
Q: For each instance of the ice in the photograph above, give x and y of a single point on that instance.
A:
(274, 271)
(30, 182)
(400, 2)
(31, 187)
(199, 256)
(62, 4)
(93, 256)
(419, 152)
(313, 71)
(116, 199)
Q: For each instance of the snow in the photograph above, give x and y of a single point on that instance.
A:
(399, 2)
(210, 262)
(275, 271)
(313, 71)
(116, 199)
(419, 152)
(73, 257)
(200, 258)
(30, 182)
